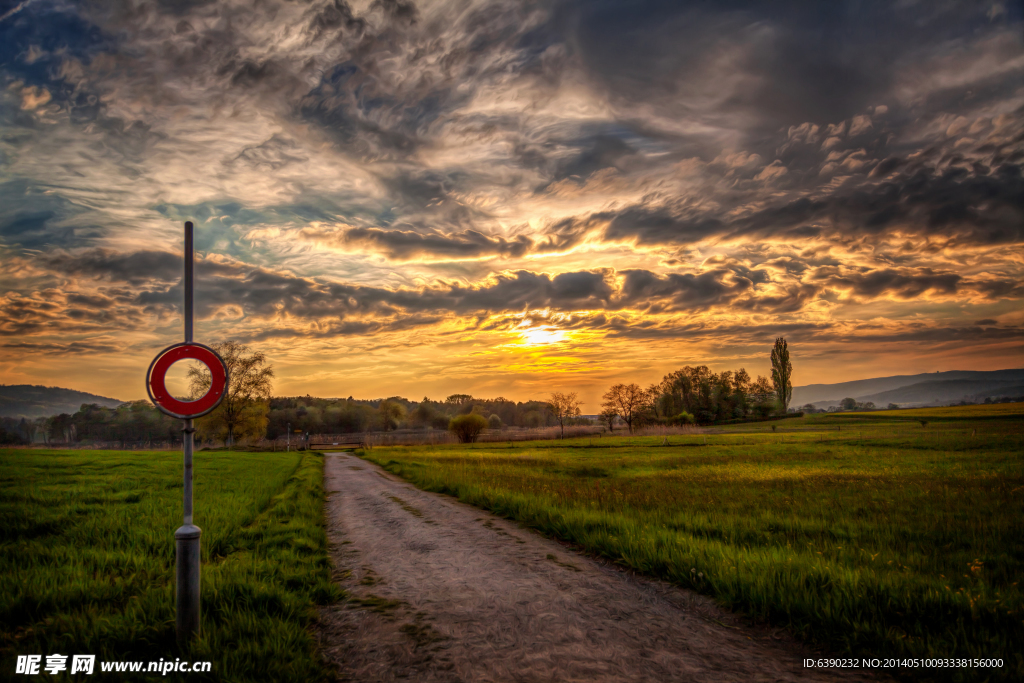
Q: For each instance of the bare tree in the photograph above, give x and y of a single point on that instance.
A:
(564, 407)
(627, 401)
(608, 417)
(654, 392)
(245, 406)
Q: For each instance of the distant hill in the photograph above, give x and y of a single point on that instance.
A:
(943, 390)
(913, 390)
(1015, 391)
(30, 400)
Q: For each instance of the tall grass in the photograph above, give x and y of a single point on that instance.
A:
(871, 543)
(87, 559)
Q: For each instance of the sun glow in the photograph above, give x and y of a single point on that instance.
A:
(540, 336)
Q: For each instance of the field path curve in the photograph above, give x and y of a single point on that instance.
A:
(443, 591)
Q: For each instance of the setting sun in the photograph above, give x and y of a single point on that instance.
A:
(541, 336)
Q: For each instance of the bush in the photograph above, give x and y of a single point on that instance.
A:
(494, 422)
(467, 427)
(11, 438)
(705, 417)
(683, 418)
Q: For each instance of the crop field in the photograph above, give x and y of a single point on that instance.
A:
(87, 559)
(868, 535)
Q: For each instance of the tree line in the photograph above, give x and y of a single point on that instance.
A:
(135, 422)
(309, 414)
(686, 396)
(138, 422)
(696, 395)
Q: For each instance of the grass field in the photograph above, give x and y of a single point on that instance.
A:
(867, 534)
(87, 559)
(975, 412)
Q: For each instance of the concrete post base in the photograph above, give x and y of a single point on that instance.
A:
(186, 541)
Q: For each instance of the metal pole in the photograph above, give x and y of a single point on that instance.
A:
(188, 281)
(186, 538)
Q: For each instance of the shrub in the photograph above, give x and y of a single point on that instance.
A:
(494, 422)
(11, 438)
(705, 417)
(467, 427)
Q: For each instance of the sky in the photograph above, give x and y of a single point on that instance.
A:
(422, 198)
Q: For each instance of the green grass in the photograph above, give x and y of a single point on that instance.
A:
(872, 538)
(87, 559)
(976, 412)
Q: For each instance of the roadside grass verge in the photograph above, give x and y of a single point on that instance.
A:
(87, 559)
(886, 543)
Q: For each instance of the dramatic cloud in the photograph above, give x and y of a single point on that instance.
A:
(404, 245)
(393, 191)
(975, 208)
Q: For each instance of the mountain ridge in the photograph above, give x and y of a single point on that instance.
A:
(36, 400)
(932, 387)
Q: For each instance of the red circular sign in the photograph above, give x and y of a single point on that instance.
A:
(156, 384)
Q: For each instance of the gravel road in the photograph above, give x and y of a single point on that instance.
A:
(442, 591)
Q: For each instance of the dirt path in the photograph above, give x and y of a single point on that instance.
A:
(446, 592)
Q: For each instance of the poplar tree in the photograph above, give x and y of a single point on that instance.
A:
(782, 373)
